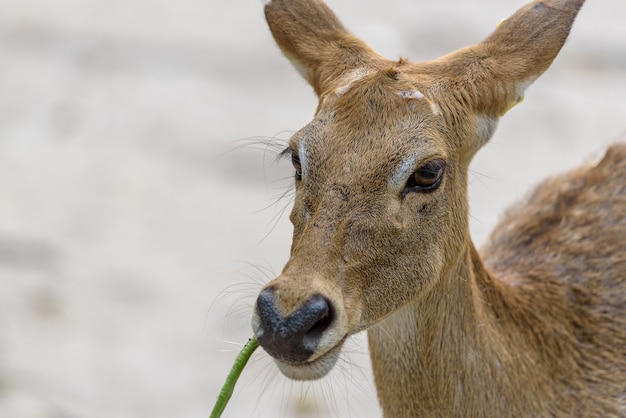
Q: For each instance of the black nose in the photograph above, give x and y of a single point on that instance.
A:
(292, 339)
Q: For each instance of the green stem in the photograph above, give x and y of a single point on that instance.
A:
(231, 379)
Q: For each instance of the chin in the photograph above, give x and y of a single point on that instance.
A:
(311, 370)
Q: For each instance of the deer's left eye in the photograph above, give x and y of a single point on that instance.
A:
(426, 178)
(295, 160)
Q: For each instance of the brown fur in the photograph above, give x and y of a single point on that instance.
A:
(536, 329)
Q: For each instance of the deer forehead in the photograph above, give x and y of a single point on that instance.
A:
(367, 80)
(375, 124)
(352, 77)
(351, 157)
(375, 100)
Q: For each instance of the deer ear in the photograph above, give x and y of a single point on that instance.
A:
(316, 43)
(495, 73)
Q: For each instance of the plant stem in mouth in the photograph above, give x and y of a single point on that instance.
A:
(231, 379)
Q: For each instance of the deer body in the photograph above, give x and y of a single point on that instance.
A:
(534, 327)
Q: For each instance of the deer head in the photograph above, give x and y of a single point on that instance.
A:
(381, 210)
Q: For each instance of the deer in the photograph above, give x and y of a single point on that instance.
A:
(533, 324)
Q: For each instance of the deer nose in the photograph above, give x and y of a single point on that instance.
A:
(292, 339)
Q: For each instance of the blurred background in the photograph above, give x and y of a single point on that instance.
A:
(140, 210)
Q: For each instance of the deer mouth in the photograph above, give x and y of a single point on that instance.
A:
(313, 369)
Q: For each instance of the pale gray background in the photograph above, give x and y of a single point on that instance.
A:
(131, 247)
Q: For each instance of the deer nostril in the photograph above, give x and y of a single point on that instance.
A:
(293, 338)
(324, 321)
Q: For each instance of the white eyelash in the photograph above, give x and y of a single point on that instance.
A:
(303, 158)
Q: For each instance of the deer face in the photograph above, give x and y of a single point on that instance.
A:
(379, 193)
(380, 211)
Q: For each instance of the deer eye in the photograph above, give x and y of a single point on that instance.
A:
(295, 160)
(426, 178)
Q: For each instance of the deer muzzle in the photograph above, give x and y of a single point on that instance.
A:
(305, 343)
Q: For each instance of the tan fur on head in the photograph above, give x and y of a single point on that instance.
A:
(381, 238)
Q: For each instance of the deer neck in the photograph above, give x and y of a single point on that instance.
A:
(430, 357)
